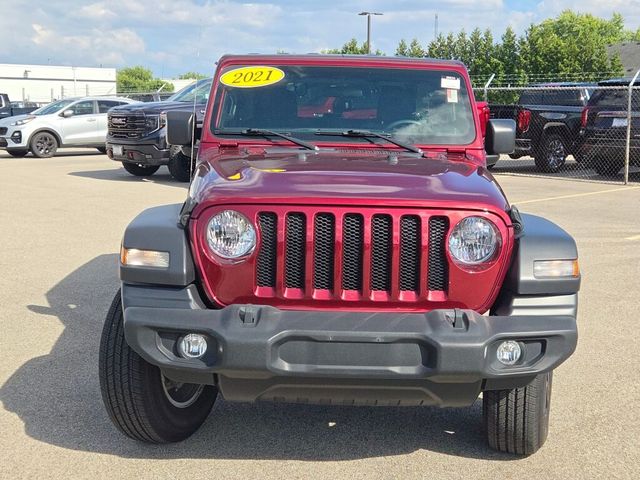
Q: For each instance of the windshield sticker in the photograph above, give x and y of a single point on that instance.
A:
(252, 77)
(450, 82)
(452, 95)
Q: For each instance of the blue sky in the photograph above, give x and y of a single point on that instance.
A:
(174, 36)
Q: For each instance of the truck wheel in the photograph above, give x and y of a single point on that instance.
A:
(517, 420)
(179, 164)
(43, 145)
(552, 154)
(17, 153)
(607, 168)
(102, 149)
(141, 402)
(140, 170)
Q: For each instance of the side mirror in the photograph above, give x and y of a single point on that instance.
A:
(67, 113)
(501, 136)
(179, 127)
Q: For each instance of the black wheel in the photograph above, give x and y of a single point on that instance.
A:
(552, 154)
(179, 164)
(140, 170)
(102, 149)
(607, 168)
(17, 153)
(43, 145)
(141, 402)
(517, 420)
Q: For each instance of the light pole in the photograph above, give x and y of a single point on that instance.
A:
(368, 14)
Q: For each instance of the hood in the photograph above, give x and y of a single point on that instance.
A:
(386, 178)
(156, 107)
(6, 121)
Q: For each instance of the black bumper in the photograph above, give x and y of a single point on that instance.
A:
(443, 357)
(143, 154)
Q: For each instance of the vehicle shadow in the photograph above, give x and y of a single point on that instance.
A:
(59, 154)
(57, 397)
(161, 177)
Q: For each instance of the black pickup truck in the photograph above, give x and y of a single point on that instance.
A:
(9, 109)
(548, 117)
(136, 133)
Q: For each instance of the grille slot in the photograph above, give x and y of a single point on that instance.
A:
(294, 274)
(410, 240)
(323, 251)
(352, 250)
(266, 262)
(381, 249)
(438, 276)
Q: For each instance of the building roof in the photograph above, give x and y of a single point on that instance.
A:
(629, 53)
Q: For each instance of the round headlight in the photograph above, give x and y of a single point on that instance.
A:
(474, 240)
(230, 235)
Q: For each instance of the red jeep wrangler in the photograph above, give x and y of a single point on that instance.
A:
(351, 252)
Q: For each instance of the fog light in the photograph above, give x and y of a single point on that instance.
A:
(509, 352)
(192, 345)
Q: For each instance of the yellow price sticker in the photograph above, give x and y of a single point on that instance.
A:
(251, 77)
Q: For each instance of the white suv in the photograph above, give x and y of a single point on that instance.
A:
(71, 122)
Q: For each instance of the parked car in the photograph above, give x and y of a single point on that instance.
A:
(340, 260)
(9, 109)
(548, 117)
(137, 134)
(603, 135)
(71, 122)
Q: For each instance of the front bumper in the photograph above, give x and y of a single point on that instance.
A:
(143, 154)
(12, 138)
(443, 357)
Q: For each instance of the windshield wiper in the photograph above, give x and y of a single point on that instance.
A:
(368, 133)
(258, 132)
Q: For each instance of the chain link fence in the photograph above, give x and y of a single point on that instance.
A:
(581, 131)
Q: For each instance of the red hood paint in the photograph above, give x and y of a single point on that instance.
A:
(347, 177)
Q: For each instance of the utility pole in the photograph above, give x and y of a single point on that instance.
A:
(368, 14)
(435, 28)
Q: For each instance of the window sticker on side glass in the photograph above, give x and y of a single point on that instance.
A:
(252, 77)
(450, 82)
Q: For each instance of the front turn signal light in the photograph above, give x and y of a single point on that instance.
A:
(556, 268)
(144, 258)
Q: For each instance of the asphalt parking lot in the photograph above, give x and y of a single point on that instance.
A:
(62, 221)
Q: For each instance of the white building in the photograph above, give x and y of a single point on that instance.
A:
(44, 83)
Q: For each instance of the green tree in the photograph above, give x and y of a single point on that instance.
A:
(140, 79)
(352, 48)
(192, 75)
(415, 49)
(402, 49)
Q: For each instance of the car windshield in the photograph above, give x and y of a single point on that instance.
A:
(419, 106)
(198, 90)
(52, 107)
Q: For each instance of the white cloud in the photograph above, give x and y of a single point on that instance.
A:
(173, 36)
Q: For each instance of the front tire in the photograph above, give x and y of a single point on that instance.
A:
(552, 154)
(179, 164)
(517, 420)
(140, 170)
(43, 145)
(141, 402)
(102, 149)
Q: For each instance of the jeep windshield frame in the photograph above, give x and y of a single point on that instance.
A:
(416, 105)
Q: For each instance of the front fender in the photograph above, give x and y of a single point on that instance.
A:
(158, 229)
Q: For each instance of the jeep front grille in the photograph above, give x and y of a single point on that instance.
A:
(348, 255)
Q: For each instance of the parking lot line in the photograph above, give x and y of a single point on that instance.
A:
(576, 195)
(634, 237)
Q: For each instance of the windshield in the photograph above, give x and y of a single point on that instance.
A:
(198, 90)
(429, 107)
(52, 107)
